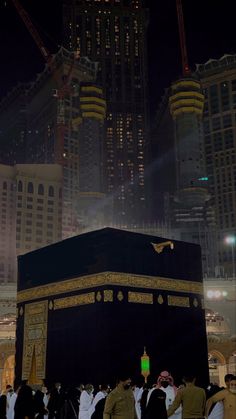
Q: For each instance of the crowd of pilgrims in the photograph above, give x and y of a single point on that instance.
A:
(128, 400)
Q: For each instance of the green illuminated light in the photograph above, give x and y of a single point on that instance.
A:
(203, 178)
(145, 364)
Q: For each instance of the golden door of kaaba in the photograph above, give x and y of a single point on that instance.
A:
(87, 306)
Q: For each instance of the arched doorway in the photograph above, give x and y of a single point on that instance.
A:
(7, 362)
(217, 367)
(232, 363)
(8, 371)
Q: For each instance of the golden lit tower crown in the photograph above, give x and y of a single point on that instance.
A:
(186, 107)
(186, 97)
(92, 103)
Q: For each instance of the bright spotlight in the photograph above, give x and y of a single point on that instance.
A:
(230, 240)
(210, 294)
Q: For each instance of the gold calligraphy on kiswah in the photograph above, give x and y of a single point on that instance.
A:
(74, 300)
(178, 301)
(140, 297)
(35, 339)
(110, 278)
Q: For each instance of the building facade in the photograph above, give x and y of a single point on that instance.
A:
(113, 33)
(218, 79)
(7, 334)
(38, 206)
(63, 124)
(7, 224)
(220, 299)
(30, 212)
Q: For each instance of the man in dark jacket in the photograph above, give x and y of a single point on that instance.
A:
(3, 406)
(56, 401)
(24, 405)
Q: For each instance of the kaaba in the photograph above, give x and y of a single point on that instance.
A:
(88, 306)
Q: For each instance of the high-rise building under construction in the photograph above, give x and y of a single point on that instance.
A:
(113, 33)
(188, 206)
(68, 130)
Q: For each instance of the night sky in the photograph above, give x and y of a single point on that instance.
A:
(210, 32)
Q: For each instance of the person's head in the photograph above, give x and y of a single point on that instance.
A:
(151, 381)
(9, 389)
(38, 397)
(189, 379)
(232, 384)
(89, 388)
(104, 388)
(44, 390)
(25, 393)
(124, 381)
(212, 389)
(165, 379)
(58, 386)
(228, 377)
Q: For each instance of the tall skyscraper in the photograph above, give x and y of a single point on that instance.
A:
(218, 78)
(113, 33)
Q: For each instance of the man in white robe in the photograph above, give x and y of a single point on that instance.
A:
(11, 405)
(101, 394)
(86, 400)
(45, 399)
(217, 411)
(137, 392)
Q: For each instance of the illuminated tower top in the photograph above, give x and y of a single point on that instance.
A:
(186, 107)
(186, 98)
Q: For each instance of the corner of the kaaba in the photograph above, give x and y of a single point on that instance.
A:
(89, 305)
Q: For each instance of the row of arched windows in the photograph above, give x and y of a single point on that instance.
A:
(40, 188)
(31, 188)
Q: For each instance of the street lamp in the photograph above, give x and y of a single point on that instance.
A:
(231, 240)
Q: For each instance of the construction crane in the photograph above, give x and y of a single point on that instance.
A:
(63, 89)
(185, 66)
